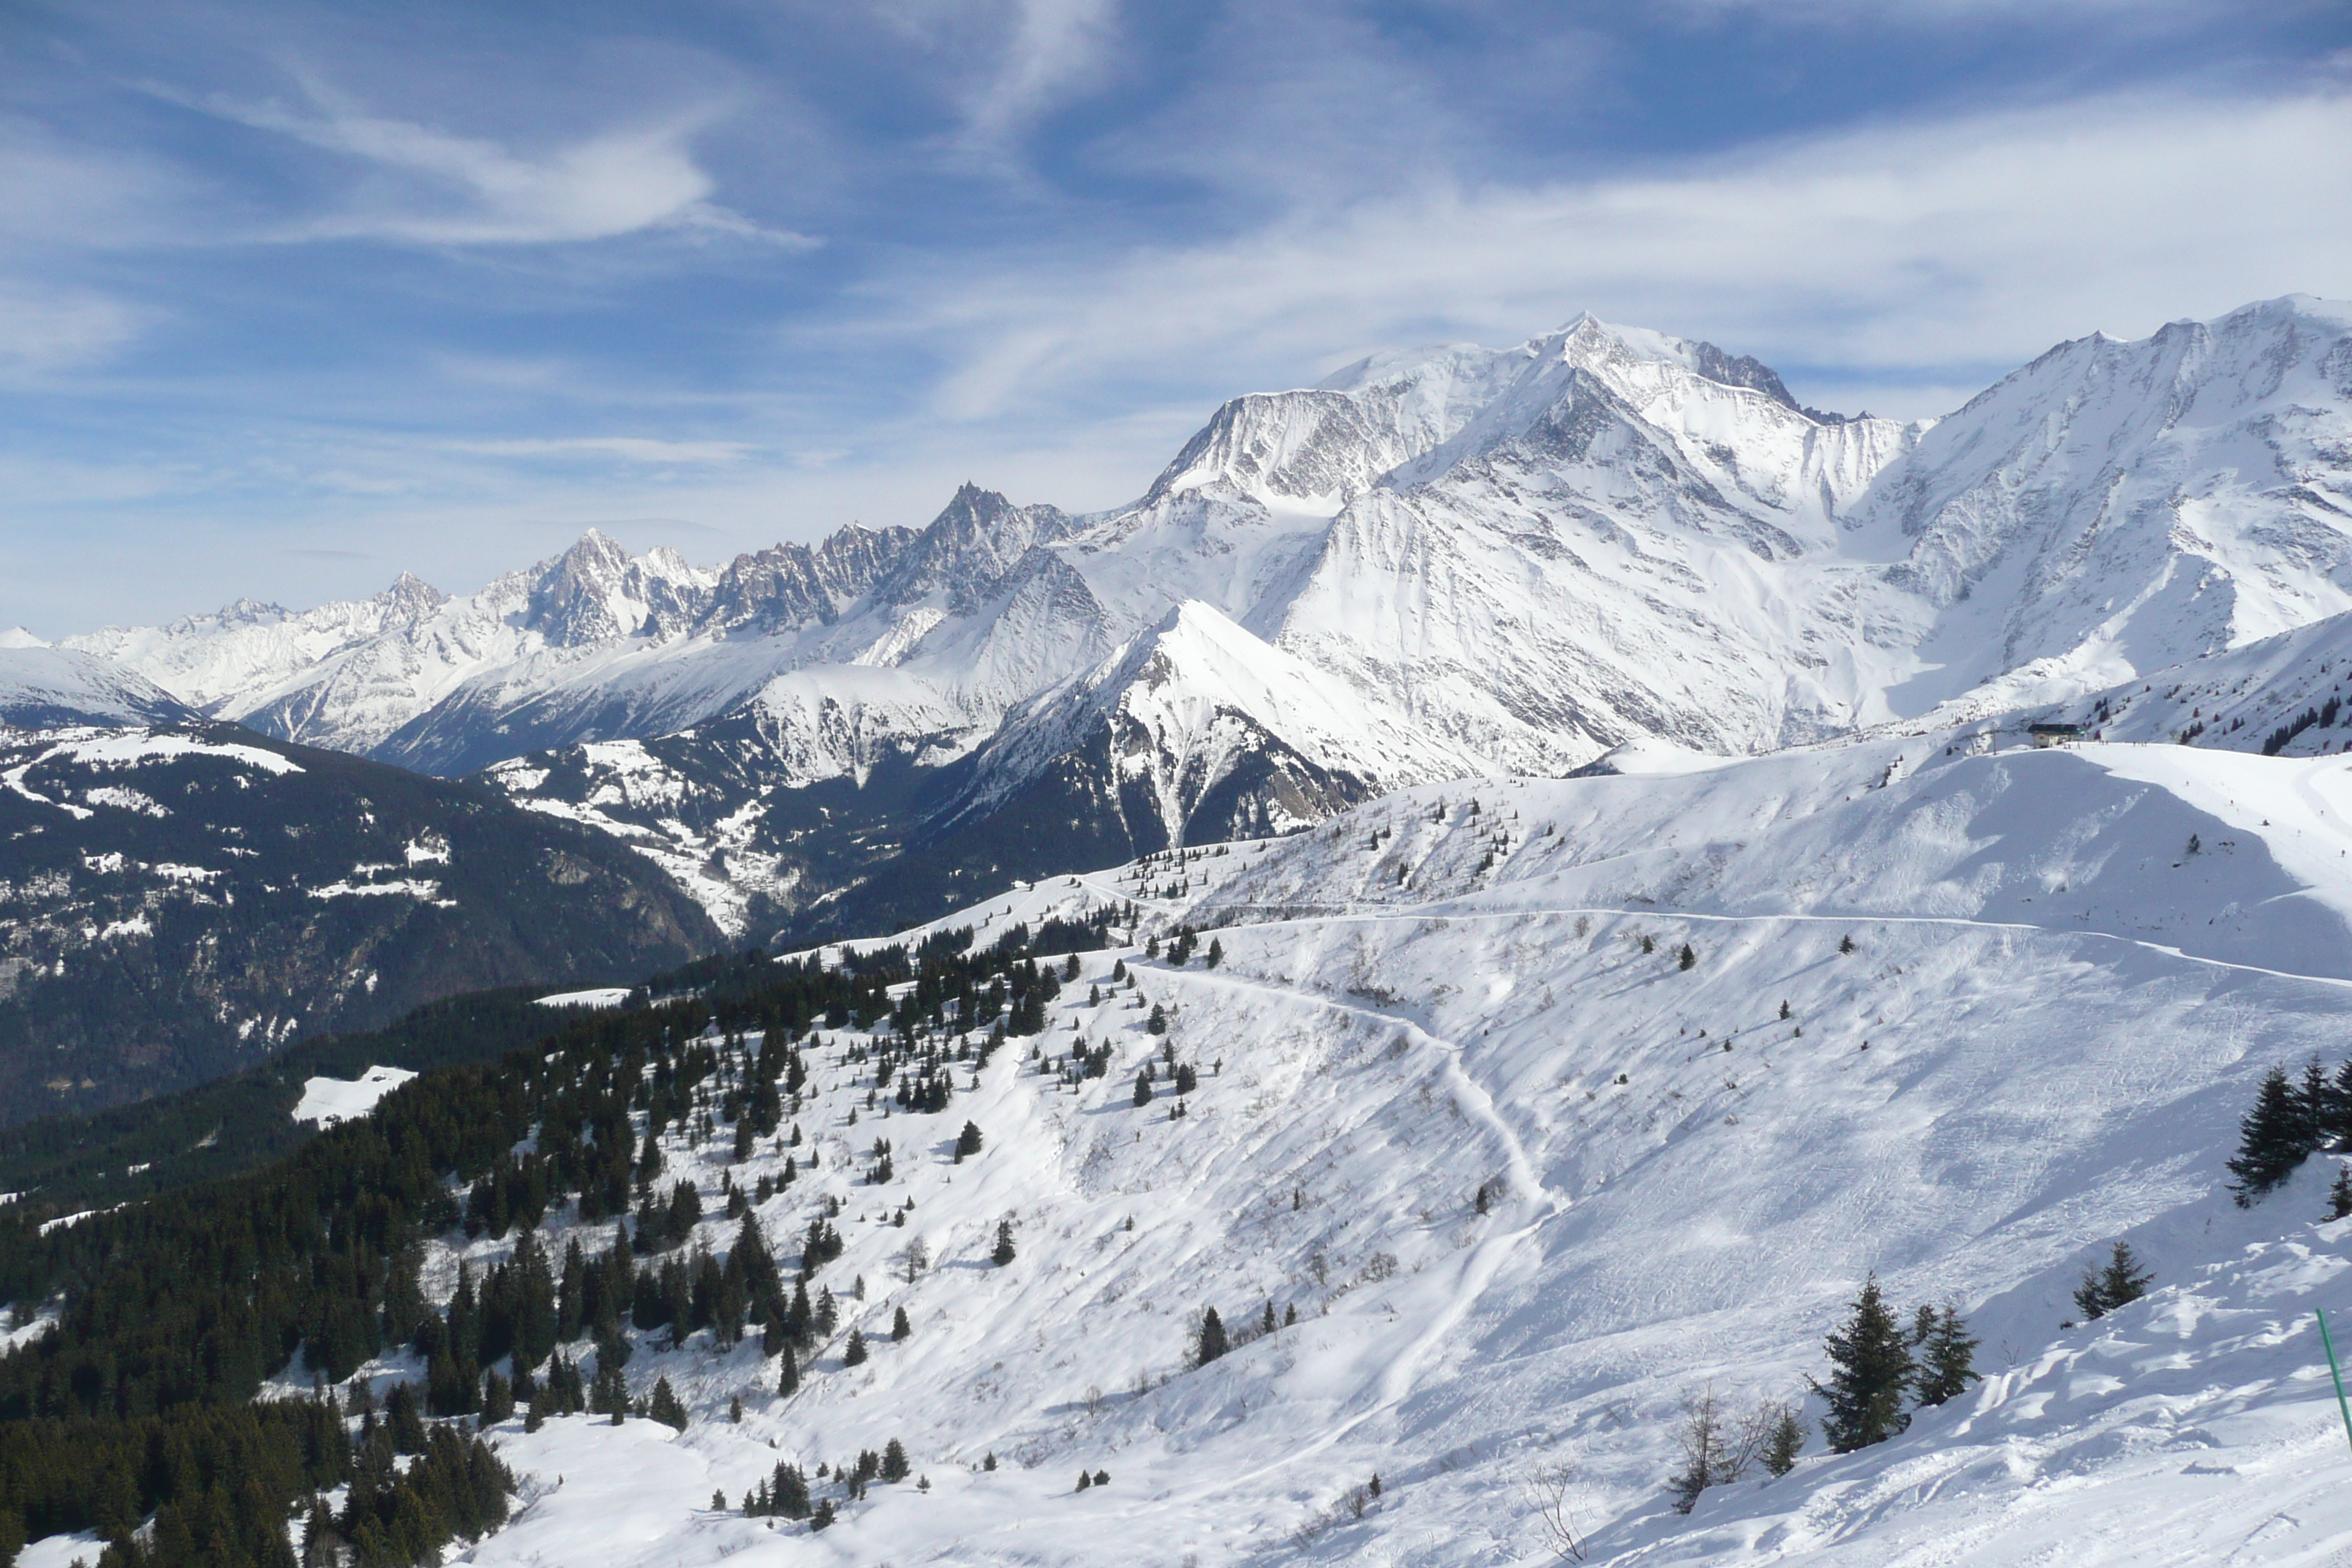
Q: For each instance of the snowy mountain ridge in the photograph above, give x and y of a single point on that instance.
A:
(1506, 560)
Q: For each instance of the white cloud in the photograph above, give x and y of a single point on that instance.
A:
(1903, 250)
(428, 185)
(628, 449)
(1054, 47)
(43, 330)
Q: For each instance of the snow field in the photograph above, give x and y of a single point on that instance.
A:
(2058, 1050)
(327, 1101)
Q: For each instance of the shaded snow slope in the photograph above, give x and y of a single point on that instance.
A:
(1462, 986)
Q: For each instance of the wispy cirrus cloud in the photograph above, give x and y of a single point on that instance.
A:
(45, 329)
(424, 184)
(1902, 250)
(627, 449)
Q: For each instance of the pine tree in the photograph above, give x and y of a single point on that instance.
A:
(967, 1141)
(1870, 1368)
(665, 1407)
(788, 1381)
(1002, 1254)
(1946, 1356)
(1142, 1086)
(1216, 953)
(1158, 1023)
(2104, 1289)
(1213, 1338)
(2339, 1196)
(823, 1517)
(894, 1461)
(2272, 1139)
(2316, 1097)
(1265, 1323)
(1784, 1440)
(899, 1327)
(855, 1355)
(1687, 958)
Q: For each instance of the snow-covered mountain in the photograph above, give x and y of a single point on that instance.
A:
(1438, 564)
(42, 686)
(1529, 1182)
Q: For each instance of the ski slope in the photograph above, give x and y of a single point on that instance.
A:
(2050, 1019)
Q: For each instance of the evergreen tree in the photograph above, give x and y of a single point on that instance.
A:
(1946, 1356)
(1784, 1440)
(1266, 1319)
(2317, 1098)
(2104, 1289)
(899, 1327)
(823, 1517)
(665, 1407)
(1002, 1254)
(967, 1141)
(1870, 1368)
(1212, 1343)
(855, 1354)
(2272, 1139)
(788, 1381)
(1216, 953)
(1158, 1023)
(1142, 1086)
(2339, 1196)
(1687, 958)
(894, 1461)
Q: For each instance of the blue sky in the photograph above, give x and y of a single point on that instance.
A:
(293, 298)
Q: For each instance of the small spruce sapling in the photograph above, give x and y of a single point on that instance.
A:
(1784, 1440)
(899, 1327)
(1947, 1355)
(1870, 1369)
(2103, 1290)
(1687, 958)
(1212, 1343)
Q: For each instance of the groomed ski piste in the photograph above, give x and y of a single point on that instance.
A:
(1959, 1011)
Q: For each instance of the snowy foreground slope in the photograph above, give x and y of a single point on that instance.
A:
(2064, 1012)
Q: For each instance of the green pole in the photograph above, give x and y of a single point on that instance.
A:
(2336, 1373)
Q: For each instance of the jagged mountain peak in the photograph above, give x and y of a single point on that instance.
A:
(413, 595)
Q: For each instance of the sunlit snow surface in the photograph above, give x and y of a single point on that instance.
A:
(327, 1101)
(2066, 1010)
(603, 997)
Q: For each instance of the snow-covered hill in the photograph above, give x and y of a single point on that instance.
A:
(1955, 1014)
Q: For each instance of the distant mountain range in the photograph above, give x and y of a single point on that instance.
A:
(1438, 564)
